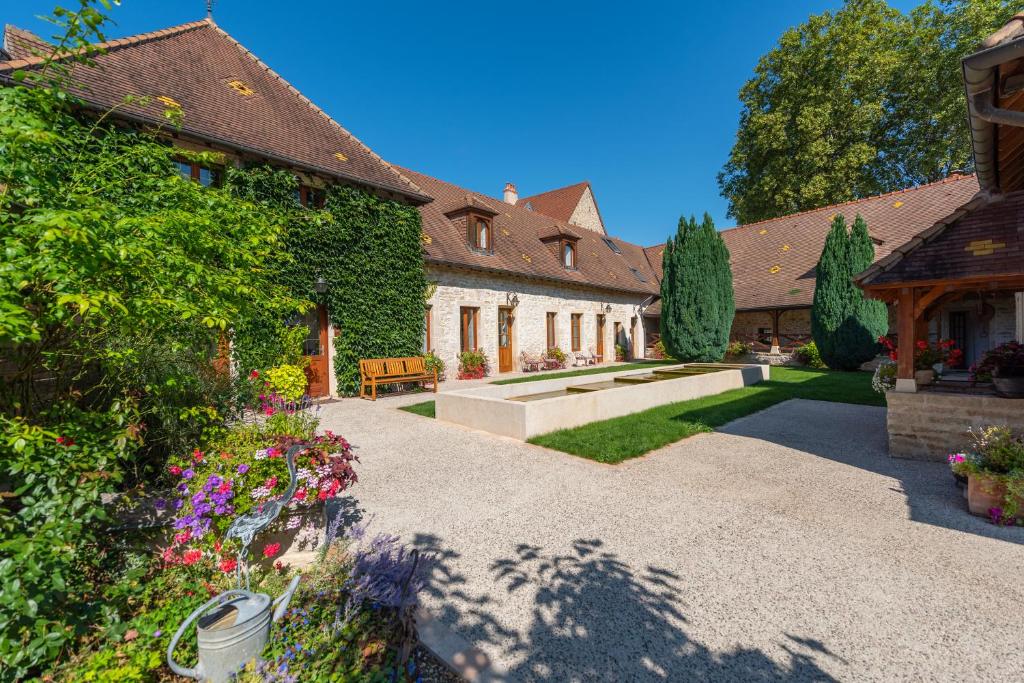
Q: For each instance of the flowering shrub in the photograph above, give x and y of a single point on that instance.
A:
(286, 381)
(926, 355)
(473, 365)
(620, 352)
(738, 349)
(557, 354)
(885, 377)
(1005, 360)
(996, 453)
(244, 470)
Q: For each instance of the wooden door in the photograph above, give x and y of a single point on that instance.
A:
(315, 349)
(600, 338)
(506, 323)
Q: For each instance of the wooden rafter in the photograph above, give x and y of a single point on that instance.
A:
(926, 298)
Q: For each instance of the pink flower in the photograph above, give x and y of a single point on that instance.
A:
(168, 556)
(271, 482)
(300, 494)
(228, 564)
(174, 469)
(269, 410)
(191, 556)
(183, 537)
(273, 452)
(271, 550)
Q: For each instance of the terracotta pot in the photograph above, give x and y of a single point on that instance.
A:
(923, 377)
(985, 493)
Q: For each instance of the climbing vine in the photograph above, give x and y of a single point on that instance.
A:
(368, 251)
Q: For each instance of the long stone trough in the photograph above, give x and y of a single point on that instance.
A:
(528, 409)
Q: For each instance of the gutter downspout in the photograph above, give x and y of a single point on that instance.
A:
(981, 73)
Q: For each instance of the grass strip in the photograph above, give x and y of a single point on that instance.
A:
(426, 409)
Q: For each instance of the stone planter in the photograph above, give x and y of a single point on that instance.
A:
(985, 493)
(1009, 387)
(923, 377)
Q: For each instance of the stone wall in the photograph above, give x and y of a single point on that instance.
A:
(488, 292)
(586, 214)
(929, 425)
(792, 321)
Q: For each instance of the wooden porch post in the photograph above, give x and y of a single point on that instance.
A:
(905, 328)
(776, 346)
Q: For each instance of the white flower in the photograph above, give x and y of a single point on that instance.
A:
(261, 454)
(303, 473)
(259, 492)
(294, 522)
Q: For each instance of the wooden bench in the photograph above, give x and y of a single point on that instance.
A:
(374, 371)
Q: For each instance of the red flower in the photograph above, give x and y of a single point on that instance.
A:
(174, 469)
(168, 555)
(273, 452)
(254, 374)
(191, 556)
(183, 537)
(300, 494)
(271, 482)
(279, 566)
(65, 441)
(271, 550)
(269, 411)
(922, 344)
(228, 564)
(322, 495)
(197, 455)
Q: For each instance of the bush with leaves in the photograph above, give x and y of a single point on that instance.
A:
(809, 355)
(473, 364)
(432, 362)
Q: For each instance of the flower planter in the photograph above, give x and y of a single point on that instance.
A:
(1009, 387)
(985, 493)
(923, 377)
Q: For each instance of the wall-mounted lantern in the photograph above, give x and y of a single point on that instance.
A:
(607, 308)
(320, 285)
(512, 299)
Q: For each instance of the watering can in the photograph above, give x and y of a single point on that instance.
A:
(232, 630)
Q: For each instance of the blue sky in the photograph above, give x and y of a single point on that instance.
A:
(639, 98)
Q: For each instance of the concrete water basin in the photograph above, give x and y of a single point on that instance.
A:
(528, 409)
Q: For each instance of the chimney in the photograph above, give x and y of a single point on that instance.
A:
(511, 196)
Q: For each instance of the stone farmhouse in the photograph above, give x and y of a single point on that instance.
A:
(513, 275)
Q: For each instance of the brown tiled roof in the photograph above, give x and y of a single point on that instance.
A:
(558, 204)
(984, 238)
(22, 44)
(773, 261)
(518, 248)
(194, 65)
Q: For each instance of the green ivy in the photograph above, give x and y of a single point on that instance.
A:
(367, 249)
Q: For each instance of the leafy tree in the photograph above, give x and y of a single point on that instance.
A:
(856, 102)
(844, 323)
(696, 292)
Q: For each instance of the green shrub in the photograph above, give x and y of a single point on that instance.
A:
(809, 355)
(431, 361)
(287, 381)
(738, 349)
(659, 350)
(557, 354)
(473, 365)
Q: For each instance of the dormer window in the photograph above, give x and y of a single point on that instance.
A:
(481, 232)
(569, 255)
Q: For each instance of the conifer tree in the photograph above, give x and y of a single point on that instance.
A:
(697, 304)
(844, 323)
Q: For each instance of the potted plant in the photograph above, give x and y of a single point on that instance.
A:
(927, 357)
(620, 352)
(994, 467)
(558, 355)
(472, 365)
(1004, 367)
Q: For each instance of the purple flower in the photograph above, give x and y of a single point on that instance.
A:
(189, 473)
(199, 497)
(220, 509)
(182, 487)
(214, 481)
(178, 503)
(243, 468)
(160, 504)
(157, 633)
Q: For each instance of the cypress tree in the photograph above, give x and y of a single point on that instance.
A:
(845, 324)
(697, 305)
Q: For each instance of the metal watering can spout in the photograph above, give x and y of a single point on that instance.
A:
(281, 603)
(232, 630)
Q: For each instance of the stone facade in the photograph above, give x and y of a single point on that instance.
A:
(586, 214)
(487, 292)
(794, 321)
(929, 425)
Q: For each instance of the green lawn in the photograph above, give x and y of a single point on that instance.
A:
(536, 377)
(629, 436)
(426, 409)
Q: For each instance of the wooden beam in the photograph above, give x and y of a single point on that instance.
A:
(925, 299)
(947, 298)
(905, 330)
(776, 313)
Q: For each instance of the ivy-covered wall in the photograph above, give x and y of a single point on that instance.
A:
(366, 248)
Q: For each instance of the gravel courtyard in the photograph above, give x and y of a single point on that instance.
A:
(786, 546)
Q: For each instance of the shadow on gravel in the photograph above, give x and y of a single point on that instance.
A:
(593, 617)
(859, 439)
